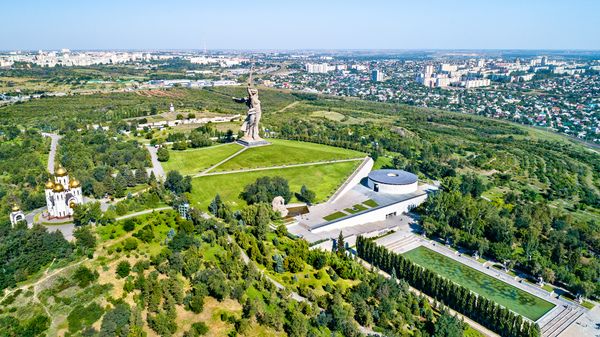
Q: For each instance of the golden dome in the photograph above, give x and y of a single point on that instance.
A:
(15, 208)
(72, 204)
(74, 183)
(58, 188)
(49, 185)
(61, 172)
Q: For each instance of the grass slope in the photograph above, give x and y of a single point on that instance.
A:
(320, 178)
(194, 161)
(287, 152)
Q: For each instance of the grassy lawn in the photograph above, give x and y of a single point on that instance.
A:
(334, 216)
(370, 203)
(355, 209)
(285, 152)
(320, 178)
(470, 332)
(136, 188)
(382, 162)
(548, 288)
(195, 161)
(360, 207)
(585, 303)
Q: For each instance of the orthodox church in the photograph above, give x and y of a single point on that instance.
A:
(62, 194)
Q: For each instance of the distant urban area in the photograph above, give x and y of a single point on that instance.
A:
(558, 92)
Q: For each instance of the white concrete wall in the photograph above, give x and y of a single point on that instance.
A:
(355, 179)
(394, 189)
(372, 215)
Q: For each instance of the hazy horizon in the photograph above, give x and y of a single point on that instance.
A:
(312, 25)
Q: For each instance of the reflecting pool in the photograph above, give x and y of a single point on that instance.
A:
(515, 299)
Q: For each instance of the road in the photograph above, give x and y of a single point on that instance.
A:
(156, 165)
(53, 147)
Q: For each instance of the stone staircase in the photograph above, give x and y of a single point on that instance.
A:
(404, 244)
(559, 322)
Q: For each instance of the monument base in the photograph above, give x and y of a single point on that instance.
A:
(252, 143)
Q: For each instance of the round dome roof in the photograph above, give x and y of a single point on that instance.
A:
(74, 183)
(16, 208)
(49, 185)
(58, 187)
(393, 177)
(61, 172)
(72, 204)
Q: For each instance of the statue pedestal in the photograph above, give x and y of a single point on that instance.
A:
(249, 142)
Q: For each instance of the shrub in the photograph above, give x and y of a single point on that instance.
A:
(200, 327)
(128, 225)
(84, 276)
(123, 268)
(130, 244)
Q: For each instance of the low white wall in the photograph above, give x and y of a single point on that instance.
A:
(354, 179)
(372, 215)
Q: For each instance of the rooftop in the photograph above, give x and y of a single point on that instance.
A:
(393, 177)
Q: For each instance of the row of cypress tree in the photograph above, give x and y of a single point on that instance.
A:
(485, 311)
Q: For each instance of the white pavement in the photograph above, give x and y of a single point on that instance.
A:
(586, 325)
(156, 165)
(53, 147)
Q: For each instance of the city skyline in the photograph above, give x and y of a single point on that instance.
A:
(265, 25)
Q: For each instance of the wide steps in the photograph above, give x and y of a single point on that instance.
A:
(557, 320)
(571, 318)
(405, 241)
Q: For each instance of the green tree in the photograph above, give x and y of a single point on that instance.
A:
(121, 208)
(85, 237)
(162, 154)
(81, 215)
(123, 268)
(341, 245)
(448, 326)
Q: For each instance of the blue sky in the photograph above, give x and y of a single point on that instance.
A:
(309, 24)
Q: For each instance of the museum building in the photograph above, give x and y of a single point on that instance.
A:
(393, 181)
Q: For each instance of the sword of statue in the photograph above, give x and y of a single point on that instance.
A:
(251, 70)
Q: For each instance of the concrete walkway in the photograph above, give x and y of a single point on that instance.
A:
(156, 165)
(53, 147)
(269, 168)
(142, 212)
(221, 162)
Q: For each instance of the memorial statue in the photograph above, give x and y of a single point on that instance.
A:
(250, 126)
